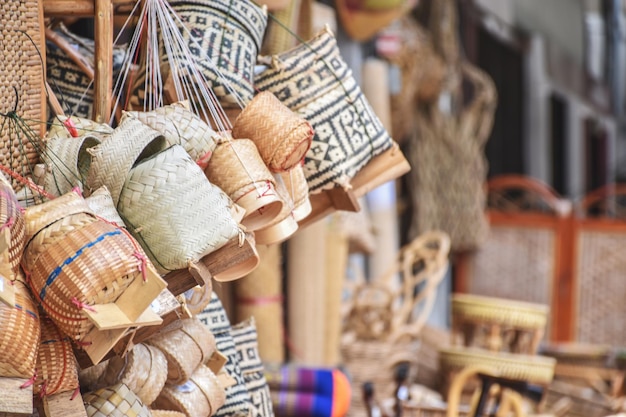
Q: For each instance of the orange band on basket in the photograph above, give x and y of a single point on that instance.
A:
(260, 300)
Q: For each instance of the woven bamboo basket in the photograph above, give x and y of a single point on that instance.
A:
(21, 84)
(174, 211)
(90, 377)
(143, 370)
(237, 168)
(11, 217)
(498, 324)
(67, 163)
(77, 260)
(201, 395)
(115, 401)
(282, 136)
(284, 225)
(57, 370)
(232, 33)
(298, 190)
(314, 81)
(101, 203)
(112, 160)
(180, 126)
(19, 334)
(185, 349)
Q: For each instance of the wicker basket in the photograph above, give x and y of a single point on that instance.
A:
(115, 401)
(11, 217)
(101, 203)
(225, 37)
(174, 211)
(143, 370)
(201, 395)
(298, 190)
(185, 349)
(90, 378)
(19, 334)
(237, 168)
(281, 136)
(314, 81)
(57, 369)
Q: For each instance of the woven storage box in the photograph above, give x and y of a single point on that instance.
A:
(225, 38)
(67, 163)
(21, 84)
(19, 334)
(112, 160)
(182, 127)
(57, 370)
(201, 395)
(281, 136)
(101, 204)
(185, 349)
(238, 169)
(75, 259)
(314, 81)
(143, 370)
(174, 211)
(11, 217)
(237, 397)
(115, 401)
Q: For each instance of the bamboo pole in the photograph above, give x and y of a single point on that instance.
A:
(103, 27)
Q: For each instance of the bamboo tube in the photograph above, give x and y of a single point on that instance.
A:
(306, 289)
(337, 249)
(103, 22)
(259, 295)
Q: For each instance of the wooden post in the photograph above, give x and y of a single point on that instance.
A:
(103, 24)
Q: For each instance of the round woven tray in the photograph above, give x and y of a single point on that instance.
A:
(117, 400)
(19, 334)
(185, 349)
(282, 136)
(57, 369)
(531, 368)
(476, 308)
(201, 395)
(11, 217)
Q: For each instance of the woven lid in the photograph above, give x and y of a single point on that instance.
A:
(117, 400)
(130, 142)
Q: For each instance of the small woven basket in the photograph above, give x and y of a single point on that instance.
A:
(75, 259)
(112, 160)
(101, 203)
(57, 369)
(284, 225)
(11, 217)
(282, 136)
(201, 395)
(314, 81)
(185, 349)
(180, 126)
(238, 169)
(225, 37)
(117, 400)
(19, 334)
(143, 370)
(67, 163)
(174, 211)
(298, 190)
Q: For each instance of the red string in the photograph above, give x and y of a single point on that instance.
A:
(30, 381)
(82, 305)
(143, 264)
(8, 224)
(26, 181)
(71, 127)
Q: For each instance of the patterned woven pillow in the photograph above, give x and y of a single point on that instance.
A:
(246, 342)
(237, 396)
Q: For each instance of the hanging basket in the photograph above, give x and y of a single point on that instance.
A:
(313, 80)
(225, 37)
(174, 211)
(284, 225)
(117, 400)
(298, 190)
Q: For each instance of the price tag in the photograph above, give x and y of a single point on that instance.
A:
(7, 292)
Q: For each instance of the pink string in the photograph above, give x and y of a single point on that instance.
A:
(143, 264)
(75, 394)
(8, 224)
(203, 161)
(30, 381)
(82, 305)
(71, 127)
(81, 343)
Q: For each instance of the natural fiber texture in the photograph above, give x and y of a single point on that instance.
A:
(19, 334)
(166, 413)
(115, 401)
(314, 81)
(73, 255)
(298, 190)
(281, 136)
(260, 295)
(57, 370)
(245, 337)
(130, 142)
(185, 349)
(63, 126)
(67, 163)
(90, 377)
(101, 204)
(11, 217)
(237, 397)
(180, 126)
(143, 370)
(284, 225)
(202, 395)
(230, 35)
(176, 214)
(21, 85)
